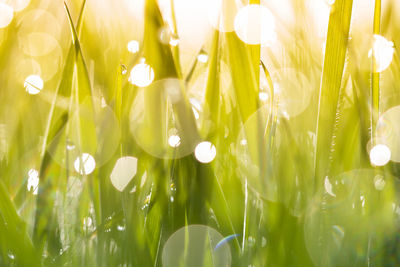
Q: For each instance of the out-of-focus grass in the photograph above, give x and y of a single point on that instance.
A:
(282, 189)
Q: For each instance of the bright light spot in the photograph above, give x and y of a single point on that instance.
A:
(123, 69)
(205, 152)
(221, 14)
(168, 37)
(196, 107)
(202, 57)
(383, 52)
(379, 182)
(133, 46)
(87, 222)
(88, 164)
(328, 187)
(33, 181)
(255, 24)
(243, 142)
(263, 96)
(330, 2)
(124, 170)
(33, 84)
(379, 155)
(174, 140)
(6, 15)
(142, 75)
(319, 11)
(195, 113)
(18, 5)
(174, 41)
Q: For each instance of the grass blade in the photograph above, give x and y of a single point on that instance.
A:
(375, 75)
(335, 53)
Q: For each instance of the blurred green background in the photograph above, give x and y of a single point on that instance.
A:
(199, 133)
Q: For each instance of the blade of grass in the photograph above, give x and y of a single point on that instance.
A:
(375, 75)
(212, 95)
(255, 52)
(159, 57)
(13, 233)
(335, 52)
(58, 119)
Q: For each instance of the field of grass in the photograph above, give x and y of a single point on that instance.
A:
(199, 133)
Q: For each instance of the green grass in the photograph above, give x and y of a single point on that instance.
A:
(285, 189)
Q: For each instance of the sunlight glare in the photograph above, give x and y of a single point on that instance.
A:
(174, 140)
(88, 162)
(255, 24)
(205, 152)
(123, 172)
(379, 155)
(33, 84)
(142, 75)
(6, 15)
(133, 46)
(221, 14)
(17, 5)
(33, 181)
(383, 51)
(263, 96)
(202, 57)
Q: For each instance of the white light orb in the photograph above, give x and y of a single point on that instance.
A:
(221, 14)
(85, 164)
(123, 172)
(263, 96)
(6, 15)
(133, 46)
(379, 155)
(33, 181)
(202, 57)
(383, 51)
(17, 5)
(255, 24)
(33, 84)
(174, 41)
(142, 75)
(174, 140)
(205, 152)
